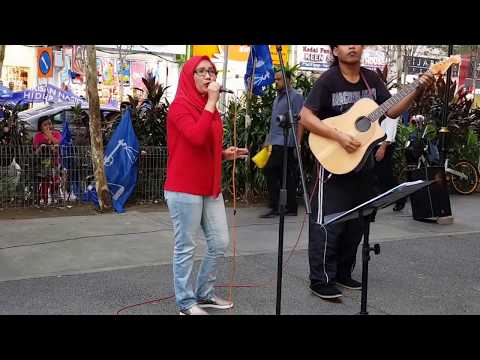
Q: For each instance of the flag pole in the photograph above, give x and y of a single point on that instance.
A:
(250, 90)
(248, 120)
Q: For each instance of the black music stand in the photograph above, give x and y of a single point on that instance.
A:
(366, 214)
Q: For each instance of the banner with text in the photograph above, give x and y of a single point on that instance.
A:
(50, 93)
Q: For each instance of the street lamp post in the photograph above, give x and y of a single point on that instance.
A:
(444, 129)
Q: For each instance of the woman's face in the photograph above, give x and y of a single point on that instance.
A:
(203, 75)
(46, 125)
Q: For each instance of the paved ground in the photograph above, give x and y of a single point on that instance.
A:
(97, 264)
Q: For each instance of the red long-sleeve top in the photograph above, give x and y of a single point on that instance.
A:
(194, 143)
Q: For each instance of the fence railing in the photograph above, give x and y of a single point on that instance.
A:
(59, 176)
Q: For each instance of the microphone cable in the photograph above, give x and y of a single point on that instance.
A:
(231, 284)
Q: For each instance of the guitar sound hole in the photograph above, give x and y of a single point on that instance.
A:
(363, 124)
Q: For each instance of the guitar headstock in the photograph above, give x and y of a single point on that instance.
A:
(441, 67)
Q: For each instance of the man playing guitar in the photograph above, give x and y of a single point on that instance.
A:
(332, 249)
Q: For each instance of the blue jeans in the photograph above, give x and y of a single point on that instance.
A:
(189, 213)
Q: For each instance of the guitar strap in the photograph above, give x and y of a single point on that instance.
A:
(366, 83)
(370, 158)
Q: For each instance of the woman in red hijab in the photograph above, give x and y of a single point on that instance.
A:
(193, 184)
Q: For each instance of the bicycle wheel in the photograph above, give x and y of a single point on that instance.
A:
(468, 185)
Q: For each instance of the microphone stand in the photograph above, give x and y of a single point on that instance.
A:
(286, 124)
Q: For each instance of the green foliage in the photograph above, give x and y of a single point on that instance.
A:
(151, 124)
(399, 160)
(250, 181)
(462, 123)
(149, 116)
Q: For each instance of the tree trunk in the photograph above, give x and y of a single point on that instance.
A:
(2, 56)
(399, 67)
(95, 130)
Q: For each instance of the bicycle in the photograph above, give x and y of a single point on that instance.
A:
(464, 175)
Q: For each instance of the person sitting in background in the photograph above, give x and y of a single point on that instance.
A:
(45, 144)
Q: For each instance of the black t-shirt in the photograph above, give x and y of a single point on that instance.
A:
(333, 95)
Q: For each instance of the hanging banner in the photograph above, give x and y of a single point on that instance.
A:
(108, 72)
(123, 72)
(99, 63)
(137, 73)
(65, 75)
(79, 56)
(50, 93)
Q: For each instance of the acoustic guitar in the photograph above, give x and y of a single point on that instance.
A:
(361, 122)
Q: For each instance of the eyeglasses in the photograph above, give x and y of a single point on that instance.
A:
(202, 72)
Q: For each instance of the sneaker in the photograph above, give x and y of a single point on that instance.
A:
(194, 310)
(350, 284)
(216, 303)
(328, 291)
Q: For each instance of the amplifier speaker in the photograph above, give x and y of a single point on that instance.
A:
(432, 201)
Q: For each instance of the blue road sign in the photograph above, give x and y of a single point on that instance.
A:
(44, 62)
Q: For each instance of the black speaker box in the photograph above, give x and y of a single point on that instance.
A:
(432, 201)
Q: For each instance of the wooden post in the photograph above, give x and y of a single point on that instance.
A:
(104, 197)
(2, 56)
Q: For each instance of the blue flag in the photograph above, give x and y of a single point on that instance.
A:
(66, 146)
(263, 74)
(121, 162)
(66, 134)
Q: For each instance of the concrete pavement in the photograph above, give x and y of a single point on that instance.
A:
(96, 264)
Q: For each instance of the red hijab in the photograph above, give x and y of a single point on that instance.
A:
(186, 90)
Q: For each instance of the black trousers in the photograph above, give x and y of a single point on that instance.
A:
(384, 171)
(273, 173)
(332, 249)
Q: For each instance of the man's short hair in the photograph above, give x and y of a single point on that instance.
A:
(288, 73)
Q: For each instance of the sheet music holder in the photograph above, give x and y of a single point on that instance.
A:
(366, 213)
(378, 202)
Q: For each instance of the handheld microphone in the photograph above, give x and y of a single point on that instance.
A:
(222, 89)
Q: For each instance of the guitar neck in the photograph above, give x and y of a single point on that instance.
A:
(382, 109)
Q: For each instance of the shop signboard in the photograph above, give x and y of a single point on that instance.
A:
(314, 57)
(373, 59)
(418, 65)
